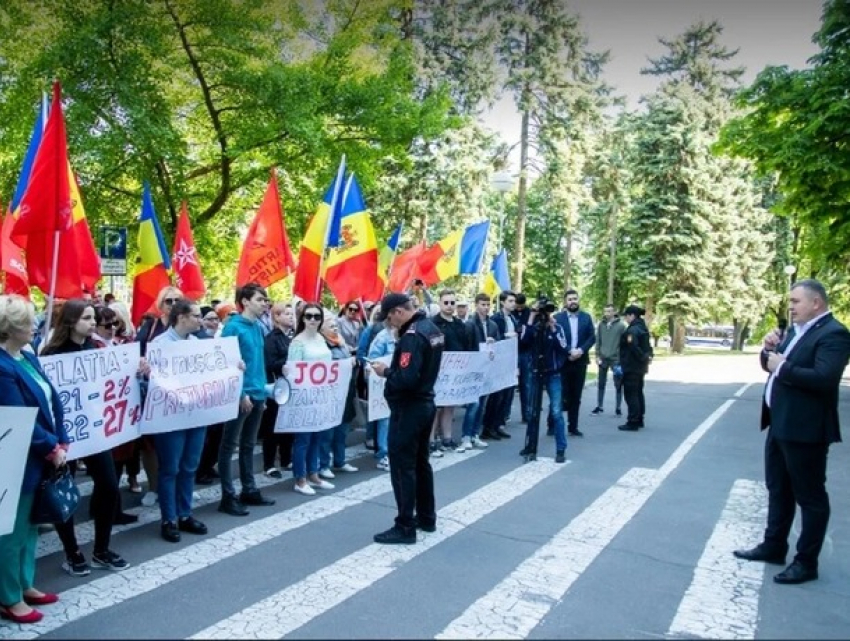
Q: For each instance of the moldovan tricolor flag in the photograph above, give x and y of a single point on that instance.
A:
(153, 262)
(187, 268)
(308, 276)
(461, 252)
(351, 270)
(266, 257)
(498, 280)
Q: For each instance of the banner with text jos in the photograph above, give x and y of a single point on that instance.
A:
(464, 377)
(16, 425)
(319, 392)
(192, 383)
(100, 394)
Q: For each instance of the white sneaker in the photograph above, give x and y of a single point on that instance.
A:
(150, 499)
(195, 497)
(465, 444)
(325, 473)
(305, 489)
(346, 468)
(322, 485)
(477, 442)
(384, 464)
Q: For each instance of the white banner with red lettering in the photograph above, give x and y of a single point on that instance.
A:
(100, 395)
(319, 393)
(192, 383)
(16, 426)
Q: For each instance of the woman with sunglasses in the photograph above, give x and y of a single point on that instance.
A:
(74, 328)
(104, 333)
(308, 345)
(350, 325)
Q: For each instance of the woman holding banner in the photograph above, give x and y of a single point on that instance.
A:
(74, 328)
(276, 351)
(308, 345)
(24, 384)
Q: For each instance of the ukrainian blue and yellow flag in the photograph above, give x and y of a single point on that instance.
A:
(498, 279)
(351, 268)
(154, 262)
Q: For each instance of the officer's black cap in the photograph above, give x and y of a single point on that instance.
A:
(390, 302)
(634, 310)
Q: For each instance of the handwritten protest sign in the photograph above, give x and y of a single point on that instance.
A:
(100, 395)
(16, 425)
(378, 407)
(502, 367)
(319, 392)
(192, 383)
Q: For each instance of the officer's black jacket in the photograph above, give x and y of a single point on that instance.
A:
(457, 340)
(416, 362)
(635, 348)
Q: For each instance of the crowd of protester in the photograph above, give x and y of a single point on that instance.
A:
(269, 336)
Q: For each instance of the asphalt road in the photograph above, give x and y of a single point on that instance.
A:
(632, 538)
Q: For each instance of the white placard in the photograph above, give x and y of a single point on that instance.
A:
(16, 426)
(100, 396)
(502, 368)
(378, 407)
(192, 383)
(319, 393)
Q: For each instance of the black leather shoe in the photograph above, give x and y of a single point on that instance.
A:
(502, 432)
(576, 433)
(796, 573)
(426, 526)
(397, 536)
(488, 435)
(169, 532)
(204, 479)
(560, 458)
(122, 518)
(255, 498)
(628, 427)
(231, 505)
(761, 553)
(191, 525)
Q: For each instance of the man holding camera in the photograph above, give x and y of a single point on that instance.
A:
(547, 343)
(581, 336)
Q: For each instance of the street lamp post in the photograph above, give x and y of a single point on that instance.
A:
(502, 182)
(789, 270)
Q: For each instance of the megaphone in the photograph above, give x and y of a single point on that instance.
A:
(280, 391)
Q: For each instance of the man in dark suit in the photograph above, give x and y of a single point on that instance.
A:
(800, 406)
(581, 336)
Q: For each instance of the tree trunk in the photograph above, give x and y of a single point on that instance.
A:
(568, 260)
(677, 344)
(423, 227)
(522, 190)
(612, 258)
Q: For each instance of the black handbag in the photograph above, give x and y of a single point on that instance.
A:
(56, 498)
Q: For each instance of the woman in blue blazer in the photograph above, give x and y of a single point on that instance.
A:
(24, 384)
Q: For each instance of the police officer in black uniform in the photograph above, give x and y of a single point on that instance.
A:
(635, 356)
(410, 394)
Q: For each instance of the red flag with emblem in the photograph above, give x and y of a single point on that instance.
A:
(187, 266)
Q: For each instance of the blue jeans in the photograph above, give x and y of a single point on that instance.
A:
(179, 453)
(305, 454)
(332, 441)
(473, 418)
(383, 432)
(603, 382)
(240, 433)
(552, 385)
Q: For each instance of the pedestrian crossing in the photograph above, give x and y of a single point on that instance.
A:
(349, 591)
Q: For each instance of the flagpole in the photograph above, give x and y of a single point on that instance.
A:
(52, 292)
(481, 260)
(340, 174)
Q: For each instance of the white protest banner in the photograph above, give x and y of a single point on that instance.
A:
(192, 383)
(100, 394)
(461, 380)
(319, 392)
(378, 407)
(502, 367)
(16, 426)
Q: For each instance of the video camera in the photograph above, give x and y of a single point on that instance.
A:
(544, 307)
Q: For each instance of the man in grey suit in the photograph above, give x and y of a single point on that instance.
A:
(800, 407)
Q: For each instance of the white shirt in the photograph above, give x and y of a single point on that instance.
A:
(573, 320)
(799, 332)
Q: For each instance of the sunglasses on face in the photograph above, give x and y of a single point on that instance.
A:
(352, 309)
(169, 301)
(448, 302)
(112, 325)
(310, 316)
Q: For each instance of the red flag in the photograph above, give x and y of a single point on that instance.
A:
(187, 269)
(12, 261)
(46, 204)
(266, 257)
(405, 268)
